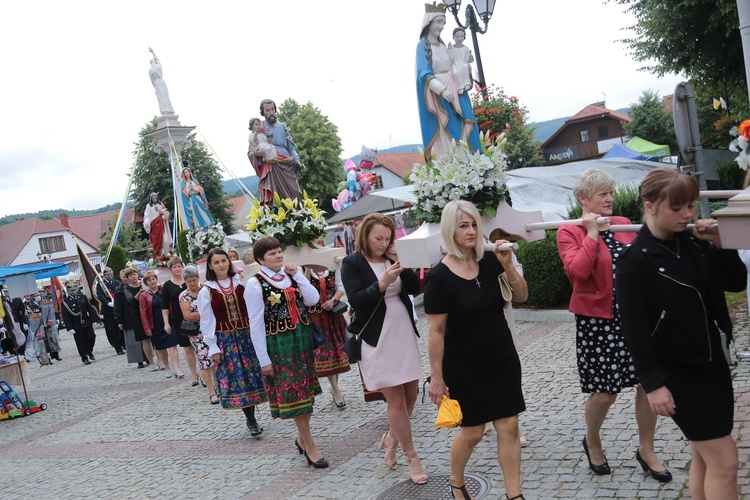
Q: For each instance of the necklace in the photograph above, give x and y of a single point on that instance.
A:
(469, 273)
(226, 291)
(274, 277)
(677, 253)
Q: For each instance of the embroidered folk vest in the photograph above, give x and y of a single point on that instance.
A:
(283, 308)
(229, 310)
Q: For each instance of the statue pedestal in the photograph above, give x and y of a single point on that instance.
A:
(422, 248)
(734, 221)
(168, 130)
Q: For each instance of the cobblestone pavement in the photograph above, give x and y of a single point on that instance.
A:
(114, 431)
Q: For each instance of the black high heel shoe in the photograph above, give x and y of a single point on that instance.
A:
(462, 489)
(663, 476)
(320, 464)
(599, 470)
(299, 448)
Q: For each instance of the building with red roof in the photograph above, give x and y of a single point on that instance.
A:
(588, 134)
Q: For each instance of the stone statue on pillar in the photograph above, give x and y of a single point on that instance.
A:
(160, 86)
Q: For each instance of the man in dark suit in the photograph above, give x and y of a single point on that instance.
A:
(105, 292)
(80, 316)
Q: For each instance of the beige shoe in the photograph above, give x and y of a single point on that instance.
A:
(389, 444)
(416, 471)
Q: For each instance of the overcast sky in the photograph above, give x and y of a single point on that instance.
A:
(76, 89)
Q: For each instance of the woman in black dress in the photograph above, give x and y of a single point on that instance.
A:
(670, 286)
(472, 355)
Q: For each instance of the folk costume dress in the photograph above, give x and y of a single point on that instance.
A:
(224, 324)
(330, 358)
(282, 336)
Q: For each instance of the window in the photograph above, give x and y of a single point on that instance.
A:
(52, 244)
(602, 131)
(585, 135)
(379, 183)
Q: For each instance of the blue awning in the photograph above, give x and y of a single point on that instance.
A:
(41, 270)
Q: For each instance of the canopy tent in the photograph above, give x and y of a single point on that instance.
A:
(622, 151)
(647, 148)
(367, 205)
(40, 271)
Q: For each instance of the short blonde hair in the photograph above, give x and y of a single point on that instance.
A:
(247, 256)
(591, 181)
(449, 222)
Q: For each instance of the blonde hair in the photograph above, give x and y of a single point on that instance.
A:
(449, 222)
(590, 181)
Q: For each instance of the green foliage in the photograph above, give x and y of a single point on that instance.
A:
(714, 124)
(698, 38)
(623, 204)
(182, 245)
(319, 148)
(117, 260)
(153, 174)
(649, 120)
(730, 175)
(500, 113)
(131, 239)
(543, 271)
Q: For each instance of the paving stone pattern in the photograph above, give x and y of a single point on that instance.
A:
(115, 431)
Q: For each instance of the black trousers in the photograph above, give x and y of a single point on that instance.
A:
(85, 339)
(115, 336)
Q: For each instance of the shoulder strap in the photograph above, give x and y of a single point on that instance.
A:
(370, 318)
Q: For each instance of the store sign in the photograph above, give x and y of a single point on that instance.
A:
(569, 153)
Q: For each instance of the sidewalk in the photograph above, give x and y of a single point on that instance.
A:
(114, 431)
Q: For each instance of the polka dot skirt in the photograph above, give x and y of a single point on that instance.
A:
(604, 362)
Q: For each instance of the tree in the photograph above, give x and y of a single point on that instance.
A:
(650, 120)
(131, 239)
(153, 174)
(497, 113)
(319, 148)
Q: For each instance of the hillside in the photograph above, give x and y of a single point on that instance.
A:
(51, 214)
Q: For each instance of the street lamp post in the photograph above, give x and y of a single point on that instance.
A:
(484, 10)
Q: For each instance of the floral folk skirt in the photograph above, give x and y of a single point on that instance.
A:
(292, 388)
(238, 375)
(330, 358)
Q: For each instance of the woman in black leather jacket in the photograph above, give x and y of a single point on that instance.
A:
(670, 287)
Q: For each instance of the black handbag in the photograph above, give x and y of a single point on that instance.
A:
(339, 309)
(190, 328)
(318, 336)
(352, 341)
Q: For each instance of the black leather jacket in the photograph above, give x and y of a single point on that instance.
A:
(668, 317)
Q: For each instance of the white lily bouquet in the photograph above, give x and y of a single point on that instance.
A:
(203, 240)
(458, 174)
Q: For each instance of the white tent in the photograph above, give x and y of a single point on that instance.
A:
(550, 189)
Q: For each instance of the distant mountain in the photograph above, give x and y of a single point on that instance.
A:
(54, 213)
(232, 189)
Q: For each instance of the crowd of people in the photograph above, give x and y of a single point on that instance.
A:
(649, 311)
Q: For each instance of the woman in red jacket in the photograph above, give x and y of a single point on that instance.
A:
(605, 366)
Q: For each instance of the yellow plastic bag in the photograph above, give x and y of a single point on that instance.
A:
(449, 414)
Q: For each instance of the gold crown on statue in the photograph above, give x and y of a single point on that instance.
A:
(434, 7)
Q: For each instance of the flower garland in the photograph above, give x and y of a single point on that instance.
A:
(460, 175)
(740, 143)
(203, 240)
(161, 260)
(291, 221)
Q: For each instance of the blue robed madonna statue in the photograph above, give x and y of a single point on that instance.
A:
(444, 114)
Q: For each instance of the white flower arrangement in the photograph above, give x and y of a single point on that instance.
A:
(740, 143)
(203, 240)
(291, 221)
(458, 174)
